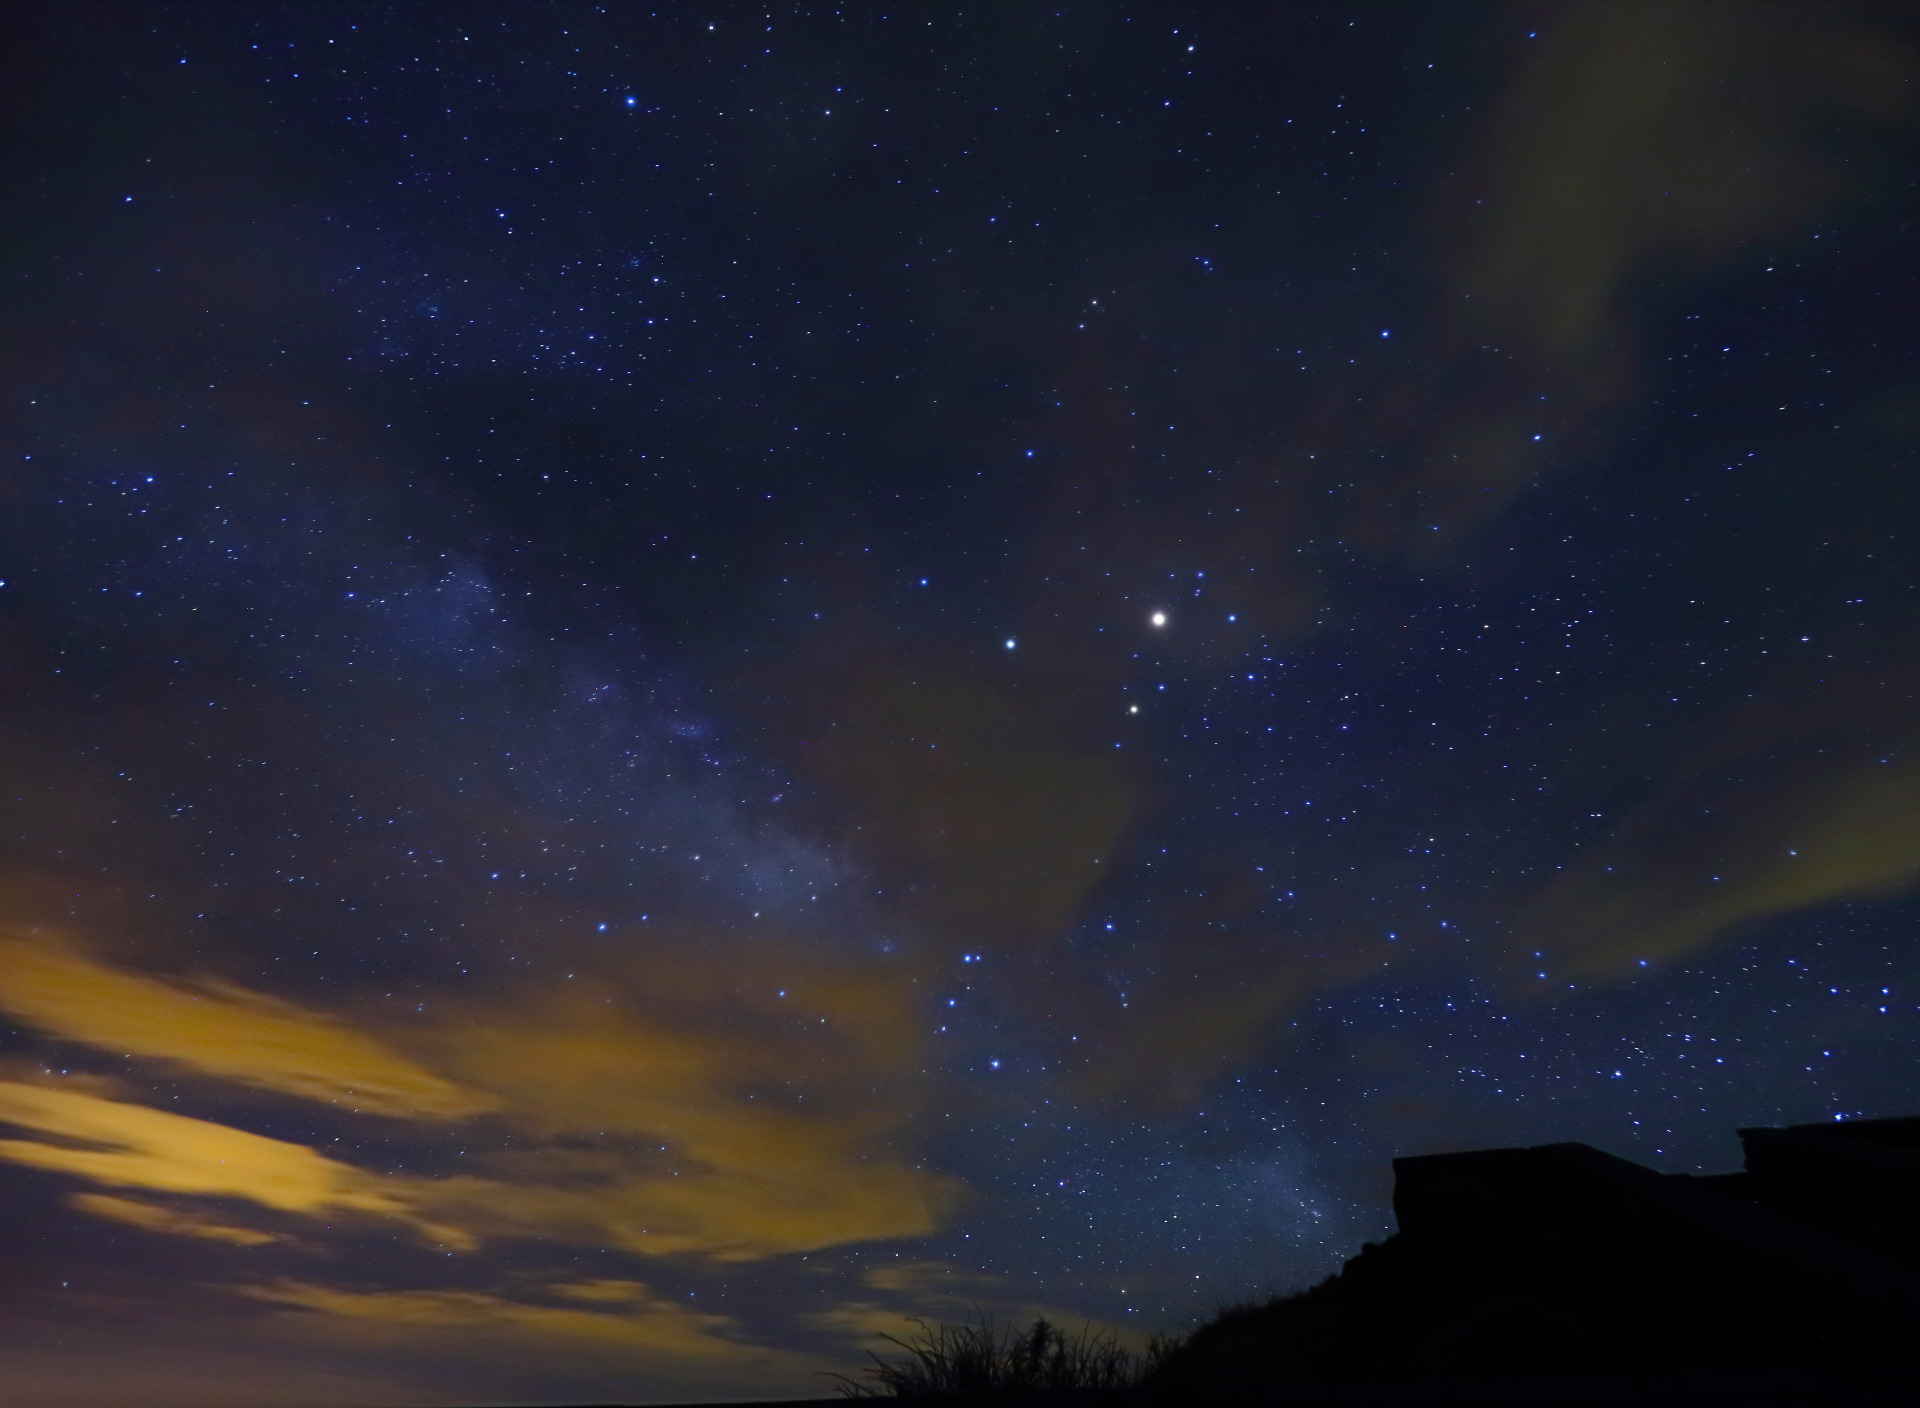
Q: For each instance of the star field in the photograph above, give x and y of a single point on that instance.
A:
(684, 682)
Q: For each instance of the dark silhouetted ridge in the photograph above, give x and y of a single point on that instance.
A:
(1559, 1273)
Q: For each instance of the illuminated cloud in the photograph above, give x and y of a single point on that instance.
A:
(132, 1146)
(935, 1280)
(603, 1291)
(727, 1214)
(738, 1212)
(863, 1322)
(742, 1168)
(98, 1365)
(626, 1315)
(674, 1137)
(598, 1327)
(925, 1292)
(221, 1030)
(155, 1218)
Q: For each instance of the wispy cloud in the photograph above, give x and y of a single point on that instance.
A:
(124, 1145)
(173, 1221)
(595, 1327)
(1635, 139)
(913, 1294)
(219, 1029)
(621, 1314)
(1789, 809)
(638, 1130)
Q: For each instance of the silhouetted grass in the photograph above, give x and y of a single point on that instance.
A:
(979, 1360)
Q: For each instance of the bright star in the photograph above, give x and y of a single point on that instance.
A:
(1159, 618)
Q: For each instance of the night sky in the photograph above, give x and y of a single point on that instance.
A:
(678, 684)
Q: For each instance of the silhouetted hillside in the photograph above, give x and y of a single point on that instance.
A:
(1561, 1260)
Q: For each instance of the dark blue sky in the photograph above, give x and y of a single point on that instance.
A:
(679, 684)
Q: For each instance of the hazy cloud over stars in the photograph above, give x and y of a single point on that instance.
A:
(998, 812)
(1796, 804)
(1635, 142)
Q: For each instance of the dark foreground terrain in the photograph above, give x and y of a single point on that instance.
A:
(1558, 1275)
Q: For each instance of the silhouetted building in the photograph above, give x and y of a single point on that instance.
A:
(1565, 1262)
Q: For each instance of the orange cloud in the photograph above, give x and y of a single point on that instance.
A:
(132, 1146)
(744, 1167)
(678, 1137)
(865, 1322)
(935, 1280)
(605, 1290)
(188, 1366)
(598, 1326)
(632, 1319)
(729, 1214)
(154, 1218)
(757, 1206)
(221, 1030)
(941, 1291)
